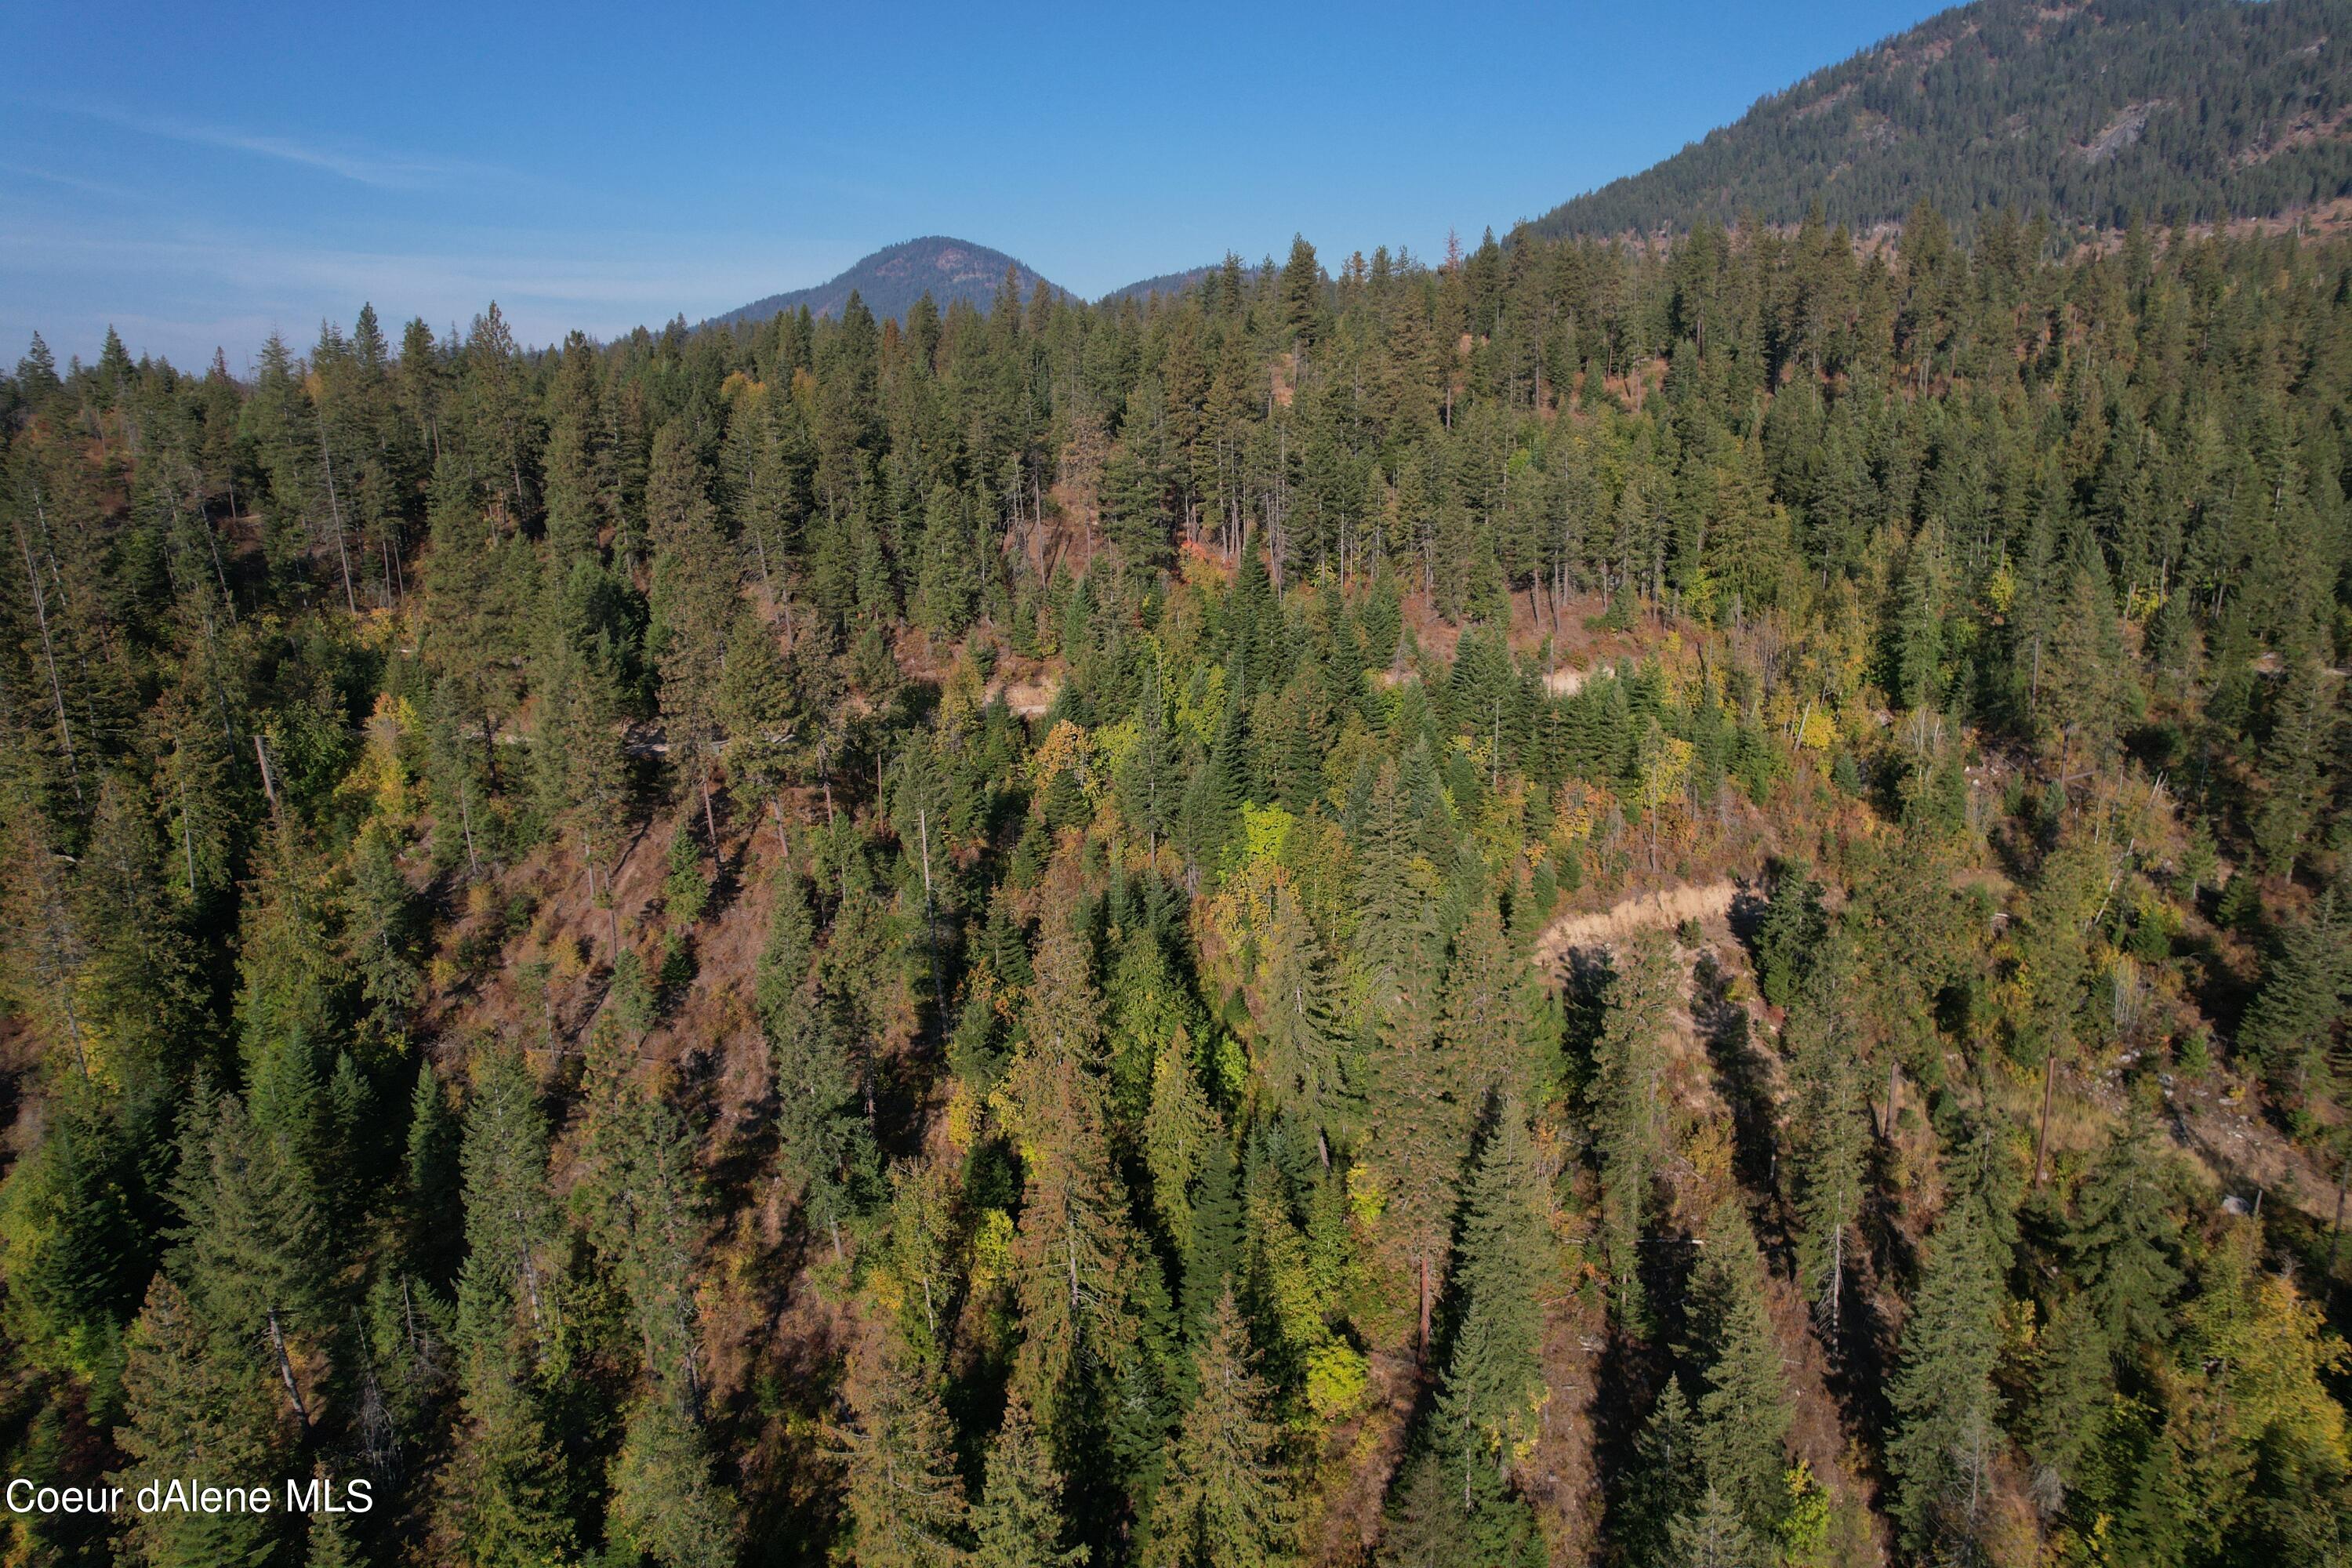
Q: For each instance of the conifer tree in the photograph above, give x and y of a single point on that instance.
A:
(508, 1500)
(140, 991)
(331, 1544)
(252, 1243)
(1150, 1014)
(947, 586)
(2303, 734)
(1424, 1109)
(379, 927)
(1947, 1436)
(1394, 920)
(190, 1409)
(638, 1193)
(1746, 1407)
(1425, 1528)
(2122, 1240)
(1789, 935)
(1828, 1130)
(761, 714)
(825, 1153)
(1712, 1535)
(73, 1257)
(1212, 1256)
(664, 1503)
(1492, 1400)
(1176, 1134)
(906, 1501)
(582, 487)
(2257, 1444)
(1629, 1118)
(2073, 1371)
(1074, 1252)
(2288, 1029)
(1019, 1523)
(693, 607)
(1666, 1479)
(1305, 1065)
(1224, 1500)
(582, 768)
(1489, 1010)
(510, 1228)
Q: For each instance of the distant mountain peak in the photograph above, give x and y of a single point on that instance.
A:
(890, 282)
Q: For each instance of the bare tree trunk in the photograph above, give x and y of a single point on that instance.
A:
(930, 916)
(286, 1372)
(335, 511)
(465, 814)
(212, 542)
(2335, 1231)
(49, 648)
(1422, 1353)
(2042, 1138)
(529, 1277)
(268, 780)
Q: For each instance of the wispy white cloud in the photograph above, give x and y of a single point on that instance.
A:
(68, 182)
(366, 167)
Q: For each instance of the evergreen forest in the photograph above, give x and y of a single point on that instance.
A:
(1585, 902)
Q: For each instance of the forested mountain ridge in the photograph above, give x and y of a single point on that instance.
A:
(1182, 281)
(894, 278)
(938, 943)
(2181, 110)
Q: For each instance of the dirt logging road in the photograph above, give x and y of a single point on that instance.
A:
(1657, 910)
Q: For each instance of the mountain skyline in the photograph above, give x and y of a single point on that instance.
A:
(893, 279)
(2206, 108)
(305, 175)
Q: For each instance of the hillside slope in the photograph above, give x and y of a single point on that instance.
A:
(1168, 284)
(891, 280)
(2181, 108)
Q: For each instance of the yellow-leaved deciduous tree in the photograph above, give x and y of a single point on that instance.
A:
(2260, 1446)
(1664, 764)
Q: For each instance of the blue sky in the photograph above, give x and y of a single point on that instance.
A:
(199, 174)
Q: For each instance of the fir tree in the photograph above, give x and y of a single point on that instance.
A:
(1666, 1479)
(665, 1504)
(1712, 1535)
(1305, 1065)
(1828, 1130)
(905, 1499)
(1224, 1500)
(1746, 1408)
(2122, 1240)
(187, 1404)
(1947, 1436)
(1789, 935)
(1629, 1118)
(1212, 1254)
(1492, 1400)
(1019, 1523)
(1075, 1251)
(1177, 1134)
